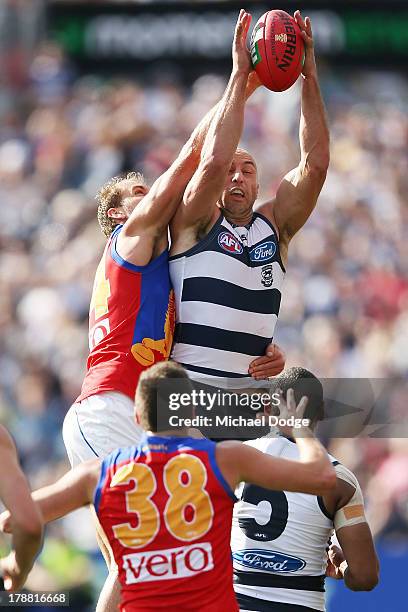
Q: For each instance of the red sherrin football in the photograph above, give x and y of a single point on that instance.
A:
(277, 50)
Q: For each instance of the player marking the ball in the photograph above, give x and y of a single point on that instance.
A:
(228, 261)
(132, 311)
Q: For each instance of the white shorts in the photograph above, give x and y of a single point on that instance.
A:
(98, 425)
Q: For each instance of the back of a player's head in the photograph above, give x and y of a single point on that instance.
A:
(154, 390)
(110, 195)
(303, 382)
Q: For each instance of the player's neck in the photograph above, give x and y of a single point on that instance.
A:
(183, 432)
(239, 220)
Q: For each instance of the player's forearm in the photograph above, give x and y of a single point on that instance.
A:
(313, 131)
(226, 127)
(314, 455)
(194, 145)
(26, 545)
(72, 491)
(51, 505)
(55, 502)
(356, 581)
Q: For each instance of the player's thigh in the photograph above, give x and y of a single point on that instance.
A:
(103, 542)
(98, 425)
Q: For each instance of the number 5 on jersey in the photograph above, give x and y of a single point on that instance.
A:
(188, 513)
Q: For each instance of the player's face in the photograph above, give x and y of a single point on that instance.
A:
(133, 194)
(241, 187)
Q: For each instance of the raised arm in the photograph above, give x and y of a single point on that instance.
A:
(201, 195)
(26, 522)
(313, 473)
(152, 214)
(297, 194)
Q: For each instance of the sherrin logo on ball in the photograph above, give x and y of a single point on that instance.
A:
(277, 50)
(229, 243)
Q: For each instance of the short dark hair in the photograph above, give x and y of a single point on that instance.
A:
(303, 382)
(153, 394)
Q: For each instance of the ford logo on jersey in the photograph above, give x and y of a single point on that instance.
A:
(229, 243)
(263, 251)
(268, 560)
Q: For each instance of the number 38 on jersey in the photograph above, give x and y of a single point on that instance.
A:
(188, 512)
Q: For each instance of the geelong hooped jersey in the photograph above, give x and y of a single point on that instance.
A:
(279, 542)
(131, 321)
(166, 510)
(228, 294)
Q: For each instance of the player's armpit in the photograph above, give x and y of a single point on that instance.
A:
(295, 199)
(74, 490)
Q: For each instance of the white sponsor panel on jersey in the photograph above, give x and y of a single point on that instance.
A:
(168, 564)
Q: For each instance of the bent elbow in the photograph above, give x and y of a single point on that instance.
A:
(365, 583)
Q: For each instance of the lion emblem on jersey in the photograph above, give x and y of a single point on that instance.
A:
(144, 352)
(267, 275)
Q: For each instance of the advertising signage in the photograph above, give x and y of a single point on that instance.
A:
(100, 35)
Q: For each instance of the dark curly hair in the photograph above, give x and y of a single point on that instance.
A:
(302, 382)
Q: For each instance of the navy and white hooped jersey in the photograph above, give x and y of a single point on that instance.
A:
(278, 541)
(228, 293)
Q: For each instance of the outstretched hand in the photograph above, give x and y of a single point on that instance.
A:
(305, 25)
(241, 59)
(288, 407)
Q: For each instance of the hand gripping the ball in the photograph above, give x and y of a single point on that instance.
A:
(241, 59)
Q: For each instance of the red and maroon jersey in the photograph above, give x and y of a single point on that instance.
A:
(166, 510)
(131, 321)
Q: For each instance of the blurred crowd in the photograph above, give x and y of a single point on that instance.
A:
(345, 306)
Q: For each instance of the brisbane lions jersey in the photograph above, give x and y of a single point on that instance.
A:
(166, 510)
(131, 321)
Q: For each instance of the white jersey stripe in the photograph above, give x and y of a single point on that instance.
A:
(223, 317)
(211, 264)
(219, 360)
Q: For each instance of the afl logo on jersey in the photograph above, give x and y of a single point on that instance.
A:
(268, 560)
(263, 251)
(229, 243)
